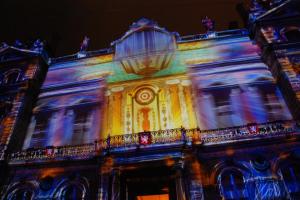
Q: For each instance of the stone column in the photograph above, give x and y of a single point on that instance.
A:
(103, 187)
(235, 100)
(207, 112)
(194, 180)
(183, 106)
(115, 194)
(30, 132)
(180, 189)
(68, 124)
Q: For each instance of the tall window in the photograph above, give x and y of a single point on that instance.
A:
(223, 108)
(39, 136)
(271, 102)
(80, 126)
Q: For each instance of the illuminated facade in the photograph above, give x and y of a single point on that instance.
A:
(157, 116)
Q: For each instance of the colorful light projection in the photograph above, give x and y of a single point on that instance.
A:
(164, 100)
(68, 116)
(237, 93)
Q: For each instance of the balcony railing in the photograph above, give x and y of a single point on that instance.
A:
(161, 138)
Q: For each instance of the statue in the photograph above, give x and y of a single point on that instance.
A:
(18, 44)
(38, 46)
(3, 45)
(208, 24)
(85, 44)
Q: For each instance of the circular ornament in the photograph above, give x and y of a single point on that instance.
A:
(144, 96)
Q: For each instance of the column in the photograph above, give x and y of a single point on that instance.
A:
(236, 104)
(91, 126)
(55, 131)
(115, 194)
(105, 118)
(105, 174)
(194, 178)
(188, 95)
(183, 106)
(175, 106)
(207, 112)
(103, 187)
(117, 113)
(30, 132)
(285, 111)
(68, 124)
(180, 189)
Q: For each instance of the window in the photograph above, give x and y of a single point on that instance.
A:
(223, 107)
(80, 126)
(272, 103)
(39, 136)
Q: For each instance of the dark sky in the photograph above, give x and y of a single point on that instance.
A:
(64, 23)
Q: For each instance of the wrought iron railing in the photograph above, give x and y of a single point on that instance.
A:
(247, 132)
(161, 138)
(48, 153)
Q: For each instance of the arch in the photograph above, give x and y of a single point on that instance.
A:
(76, 188)
(21, 191)
(263, 79)
(231, 182)
(290, 33)
(11, 76)
(217, 83)
(224, 165)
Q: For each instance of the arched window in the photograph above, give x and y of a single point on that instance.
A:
(11, 77)
(22, 194)
(291, 177)
(232, 186)
(291, 34)
(71, 192)
(21, 191)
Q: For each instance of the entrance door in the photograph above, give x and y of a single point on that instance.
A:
(148, 184)
(154, 197)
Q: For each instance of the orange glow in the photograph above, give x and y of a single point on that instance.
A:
(51, 172)
(154, 197)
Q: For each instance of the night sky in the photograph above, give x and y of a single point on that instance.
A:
(64, 23)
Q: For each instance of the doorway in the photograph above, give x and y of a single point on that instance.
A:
(148, 184)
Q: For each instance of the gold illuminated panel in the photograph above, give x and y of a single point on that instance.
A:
(149, 105)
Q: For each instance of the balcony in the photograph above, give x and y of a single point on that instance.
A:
(158, 139)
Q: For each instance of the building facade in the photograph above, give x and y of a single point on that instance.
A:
(157, 115)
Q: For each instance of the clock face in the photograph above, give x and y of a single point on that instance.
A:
(145, 96)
